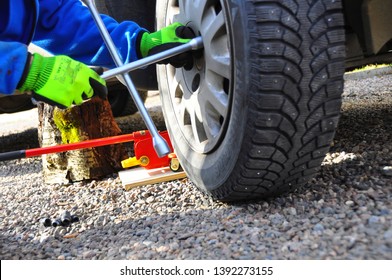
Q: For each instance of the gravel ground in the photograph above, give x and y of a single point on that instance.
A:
(345, 212)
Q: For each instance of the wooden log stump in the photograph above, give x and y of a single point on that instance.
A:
(91, 120)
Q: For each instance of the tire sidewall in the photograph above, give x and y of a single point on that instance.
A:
(210, 171)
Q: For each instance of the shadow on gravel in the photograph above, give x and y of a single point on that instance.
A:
(364, 123)
(23, 140)
(361, 149)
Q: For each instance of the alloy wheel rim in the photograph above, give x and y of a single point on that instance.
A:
(201, 96)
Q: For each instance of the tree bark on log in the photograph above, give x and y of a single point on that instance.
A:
(91, 120)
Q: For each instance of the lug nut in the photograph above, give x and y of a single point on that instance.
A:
(66, 219)
(47, 222)
(57, 223)
(74, 219)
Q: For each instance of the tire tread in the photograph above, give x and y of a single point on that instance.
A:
(293, 115)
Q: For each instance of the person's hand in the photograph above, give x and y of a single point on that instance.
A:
(166, 38)
(62, 81)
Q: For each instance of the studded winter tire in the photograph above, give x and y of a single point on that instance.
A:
(255, 115)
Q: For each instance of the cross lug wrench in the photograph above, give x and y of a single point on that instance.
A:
(160, 145)
(158, 141)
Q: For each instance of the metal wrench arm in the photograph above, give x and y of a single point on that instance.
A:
(194, 44)
(160, 145)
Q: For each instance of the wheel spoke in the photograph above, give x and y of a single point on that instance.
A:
(183, 4)
(173, 14)
(185, 116)
(219, 65)
(200, 5)
(198, 128)
(217, 100)
(214, 105)
(217, 55)
(175, 87)
(202, 11)
(211, 125)
(212, 26)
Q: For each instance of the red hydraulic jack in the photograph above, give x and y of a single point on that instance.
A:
(145, 154)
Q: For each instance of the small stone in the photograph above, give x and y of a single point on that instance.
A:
(373, 220)
(387, 171)
(150, 199)
(88, 255)
(318, 228)
(328, 210)
(142, 232)
(174, 246)
(355, 149)
(148, 243)
(164, 248)
(349, 203)
(292, 211)
(276, 219)
(43, 238)
(388, 234)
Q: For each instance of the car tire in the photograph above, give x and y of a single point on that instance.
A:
(256, 114)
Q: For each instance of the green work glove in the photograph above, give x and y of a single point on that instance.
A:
(61, 81)
(166, 38)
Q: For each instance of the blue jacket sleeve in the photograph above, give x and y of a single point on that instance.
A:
(67, 27)
(12, 63)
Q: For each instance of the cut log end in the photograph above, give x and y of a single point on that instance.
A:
(91, 120)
